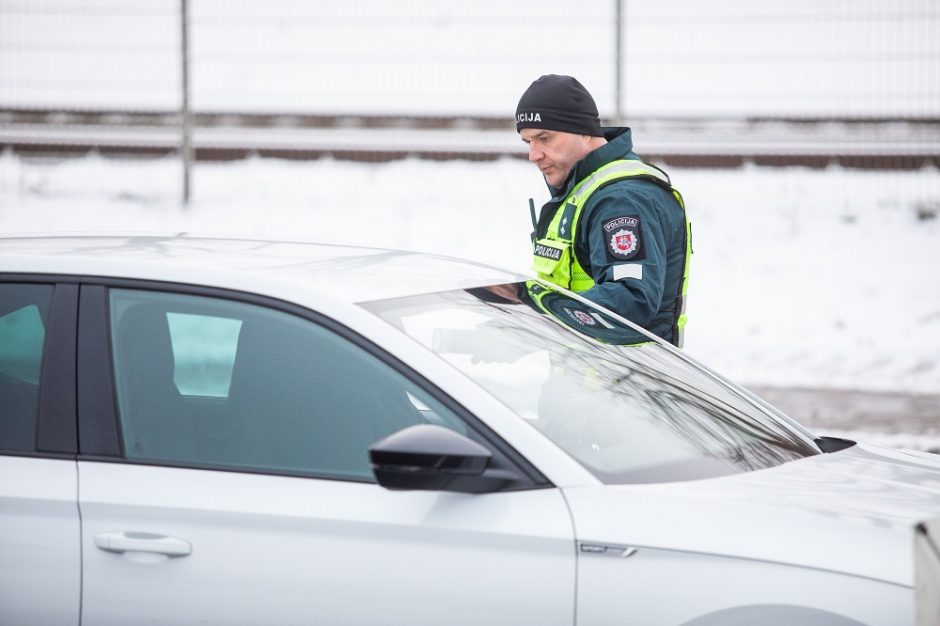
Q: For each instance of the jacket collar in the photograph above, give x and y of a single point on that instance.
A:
(619, 146)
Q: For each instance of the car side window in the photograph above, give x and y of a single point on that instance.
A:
(203, 353)
(218, 383)
(24, 312)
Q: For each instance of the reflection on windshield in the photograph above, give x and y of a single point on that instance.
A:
(626, 407)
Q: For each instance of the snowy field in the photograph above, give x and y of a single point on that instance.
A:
(817, 279)
(800, 278)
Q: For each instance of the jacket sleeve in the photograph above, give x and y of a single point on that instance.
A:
(624, 235)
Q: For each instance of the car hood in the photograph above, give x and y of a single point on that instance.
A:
(852, 511)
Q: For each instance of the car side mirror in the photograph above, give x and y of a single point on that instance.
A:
(833, 444)
(432, 458)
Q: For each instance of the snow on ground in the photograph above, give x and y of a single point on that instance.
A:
(800, 278)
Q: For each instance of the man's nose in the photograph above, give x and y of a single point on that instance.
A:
(534, 153)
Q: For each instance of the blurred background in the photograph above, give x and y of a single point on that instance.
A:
(805, 137)
(854, 81)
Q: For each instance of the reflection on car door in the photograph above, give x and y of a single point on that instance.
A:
(243, 491)
(39, 525)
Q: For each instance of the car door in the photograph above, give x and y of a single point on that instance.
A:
(230, 483)
(39, 525)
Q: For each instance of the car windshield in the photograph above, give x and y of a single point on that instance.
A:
(629, 409)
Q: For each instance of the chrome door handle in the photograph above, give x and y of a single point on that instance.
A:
(120, 542)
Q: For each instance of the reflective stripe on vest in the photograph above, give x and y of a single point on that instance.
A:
(554, 259)
(681, 317)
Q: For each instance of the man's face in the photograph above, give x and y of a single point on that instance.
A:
(555, 152)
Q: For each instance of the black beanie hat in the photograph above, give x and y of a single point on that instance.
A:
(556, 102)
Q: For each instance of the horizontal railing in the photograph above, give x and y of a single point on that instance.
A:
(722, 142)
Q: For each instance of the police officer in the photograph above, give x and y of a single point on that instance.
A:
(614, 229)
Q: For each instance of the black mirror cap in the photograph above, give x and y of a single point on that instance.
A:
(833, 444)
(432, 458)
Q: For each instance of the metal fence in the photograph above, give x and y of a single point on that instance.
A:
(724, 82)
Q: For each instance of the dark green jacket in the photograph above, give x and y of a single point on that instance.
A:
(645, 284)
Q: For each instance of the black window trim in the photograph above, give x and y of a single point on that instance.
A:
(98, 424)
(99, 435)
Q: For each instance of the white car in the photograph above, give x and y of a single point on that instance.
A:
(216, 431)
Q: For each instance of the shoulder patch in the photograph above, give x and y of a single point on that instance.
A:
(622, 234)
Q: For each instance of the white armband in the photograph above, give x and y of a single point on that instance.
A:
(628, 270)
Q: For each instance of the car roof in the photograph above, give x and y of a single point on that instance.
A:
(346, 273)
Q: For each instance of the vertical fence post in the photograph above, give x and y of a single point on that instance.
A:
(618, 61)
(186, 148)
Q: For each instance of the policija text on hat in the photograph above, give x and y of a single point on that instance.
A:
(614, 230)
